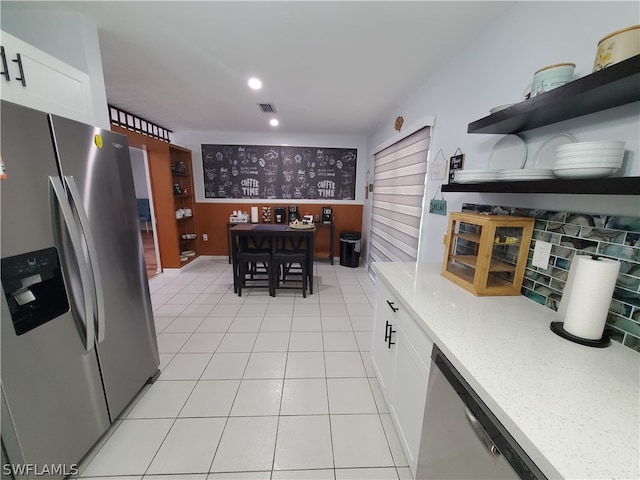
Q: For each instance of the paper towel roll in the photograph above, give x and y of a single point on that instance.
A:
(587, 296)
(254, 214)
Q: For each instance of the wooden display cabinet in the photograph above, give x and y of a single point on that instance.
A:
(181, 176)
(487, 254)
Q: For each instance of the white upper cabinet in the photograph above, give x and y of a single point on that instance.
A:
(35, 79)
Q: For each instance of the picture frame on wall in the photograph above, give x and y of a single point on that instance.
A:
(456, 162)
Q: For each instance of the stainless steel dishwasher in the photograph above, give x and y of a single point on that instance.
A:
(462, 439)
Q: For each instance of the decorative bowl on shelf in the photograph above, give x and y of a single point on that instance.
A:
(301, 226)
(617, 46)
(552, 76)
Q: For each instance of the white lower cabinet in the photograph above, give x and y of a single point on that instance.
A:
(401, 353)
(383, 355)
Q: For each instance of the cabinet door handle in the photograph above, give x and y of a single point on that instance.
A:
(5, 68)
(21, 79)
(388, 332)
(391, 305)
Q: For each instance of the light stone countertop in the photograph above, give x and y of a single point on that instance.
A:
(573, 409)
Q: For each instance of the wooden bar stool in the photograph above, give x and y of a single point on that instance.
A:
(248, 270)
(282, 262)
(254, 264)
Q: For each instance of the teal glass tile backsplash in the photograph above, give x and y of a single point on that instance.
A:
(570, 234)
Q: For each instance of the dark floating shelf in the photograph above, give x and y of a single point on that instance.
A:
(594, 186)
(611, 87)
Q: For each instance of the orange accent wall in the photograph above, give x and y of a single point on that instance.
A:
(213, 219)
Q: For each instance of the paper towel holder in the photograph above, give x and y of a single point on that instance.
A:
(558, 329)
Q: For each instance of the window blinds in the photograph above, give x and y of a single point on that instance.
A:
(399, 185)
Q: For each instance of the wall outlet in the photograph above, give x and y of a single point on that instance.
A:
(205, 237)
(541, 254)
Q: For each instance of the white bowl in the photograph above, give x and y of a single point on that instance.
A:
(588, 161)
(588, 172)
(501, 107)
(590, 158)
(580, 146)
(591, 153)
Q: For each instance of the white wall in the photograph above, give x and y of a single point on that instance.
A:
(497, 69)
(194, 140)
(68, 36)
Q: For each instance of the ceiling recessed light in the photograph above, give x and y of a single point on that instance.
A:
(274, 122)
(255, 83)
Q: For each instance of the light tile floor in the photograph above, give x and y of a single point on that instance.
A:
(256, 387)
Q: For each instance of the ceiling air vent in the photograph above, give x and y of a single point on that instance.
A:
(267, 107)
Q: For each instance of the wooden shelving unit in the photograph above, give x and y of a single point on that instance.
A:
(184, 180)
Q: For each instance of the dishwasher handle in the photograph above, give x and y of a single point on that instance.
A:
(482, 434)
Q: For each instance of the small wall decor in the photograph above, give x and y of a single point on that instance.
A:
(399, 122)
(438, 207)
(270, 172)
(455, 163)
(438, 166)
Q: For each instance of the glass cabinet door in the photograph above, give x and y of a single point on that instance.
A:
(504, 256)
(464, 248)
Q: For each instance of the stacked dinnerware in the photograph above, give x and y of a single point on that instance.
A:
(527, 174)
(588, 159)
(475, 175)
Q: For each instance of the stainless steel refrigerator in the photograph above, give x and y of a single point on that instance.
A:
(78, 337)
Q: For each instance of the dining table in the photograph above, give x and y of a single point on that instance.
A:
(275, 236)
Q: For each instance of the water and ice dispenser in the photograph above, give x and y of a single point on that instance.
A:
(34, 288)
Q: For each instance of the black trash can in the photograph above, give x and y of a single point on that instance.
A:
(350, 249)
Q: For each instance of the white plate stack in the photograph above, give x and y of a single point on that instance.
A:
(588, 159)
(475, 175)
(527, 174)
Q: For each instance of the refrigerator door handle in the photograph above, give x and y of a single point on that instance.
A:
(74, 235)
(93, 257)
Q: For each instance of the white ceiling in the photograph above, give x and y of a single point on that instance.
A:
(328, 67)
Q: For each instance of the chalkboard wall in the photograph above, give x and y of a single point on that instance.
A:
(271, 172)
